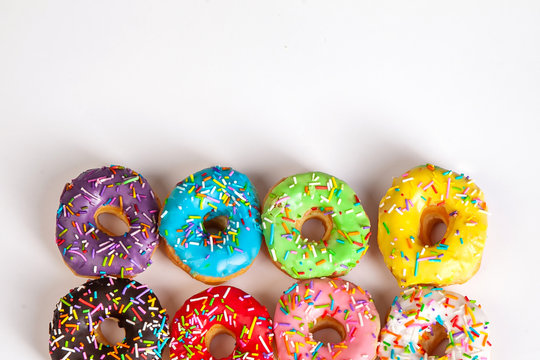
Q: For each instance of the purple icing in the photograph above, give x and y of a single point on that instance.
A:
(86, 249)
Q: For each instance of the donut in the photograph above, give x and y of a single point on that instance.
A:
(312, 305)
(418, 200)
(220, 198)
(218, 310)
(75, 327)
(421, 317)
(88, 248)
(314, 195)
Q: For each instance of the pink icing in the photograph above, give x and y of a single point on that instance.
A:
(307, 302)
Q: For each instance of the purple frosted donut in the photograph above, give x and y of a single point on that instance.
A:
(87, 247)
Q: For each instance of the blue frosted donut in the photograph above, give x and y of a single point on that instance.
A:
(211, 224)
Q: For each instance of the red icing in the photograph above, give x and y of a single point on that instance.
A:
(232, 308)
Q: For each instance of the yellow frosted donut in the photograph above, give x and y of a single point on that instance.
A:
(417, 201)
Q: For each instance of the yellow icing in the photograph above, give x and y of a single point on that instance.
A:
(418, 199)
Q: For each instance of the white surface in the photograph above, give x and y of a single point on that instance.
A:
(361, 90)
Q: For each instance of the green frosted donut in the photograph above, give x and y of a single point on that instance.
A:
(301, 197)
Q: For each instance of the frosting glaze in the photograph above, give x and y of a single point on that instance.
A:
(85, 246)
(315, 195)
(416, 201)
(221, 309)
(417, 311)
(209, 194)
(351, 312)
(74, 328)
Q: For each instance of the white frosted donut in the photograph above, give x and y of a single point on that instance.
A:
(421, 317)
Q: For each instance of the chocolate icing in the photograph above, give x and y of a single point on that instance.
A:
(78, 314)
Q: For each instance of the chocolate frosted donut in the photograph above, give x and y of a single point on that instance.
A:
(74, 329)
(86, 246)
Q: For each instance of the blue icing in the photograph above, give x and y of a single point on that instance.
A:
(208, 194)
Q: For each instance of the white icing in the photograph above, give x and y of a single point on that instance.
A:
(453, 311)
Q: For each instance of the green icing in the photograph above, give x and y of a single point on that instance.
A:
(320, 193)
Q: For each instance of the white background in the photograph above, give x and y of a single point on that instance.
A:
(363, 90)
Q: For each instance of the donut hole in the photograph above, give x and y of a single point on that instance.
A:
(313, 229)
(433, 225)
(435, 341)
(440, 349)
(315, 226)
(216, 225)
(328, 331)
(109, 333)
(112, 221)
(220, 341)
(437, 233)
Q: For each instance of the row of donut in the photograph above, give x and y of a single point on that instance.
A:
(418, 319)
(213, 225)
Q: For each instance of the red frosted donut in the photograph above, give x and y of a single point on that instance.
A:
(218, 310)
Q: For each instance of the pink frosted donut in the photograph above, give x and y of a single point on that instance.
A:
(312, 305)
